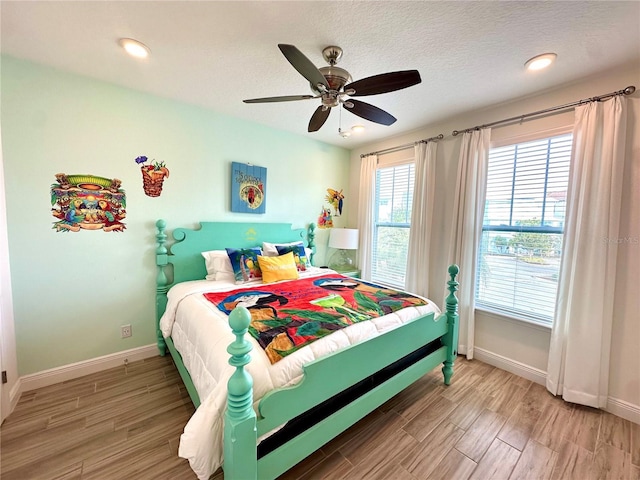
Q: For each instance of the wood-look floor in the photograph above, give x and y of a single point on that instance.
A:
(125, 423)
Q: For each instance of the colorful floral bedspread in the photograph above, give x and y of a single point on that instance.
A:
(287, 316)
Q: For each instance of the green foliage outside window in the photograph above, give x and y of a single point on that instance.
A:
(535, 246)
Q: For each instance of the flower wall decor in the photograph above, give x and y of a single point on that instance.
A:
(153, 175)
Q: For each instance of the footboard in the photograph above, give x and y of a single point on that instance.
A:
(419, 345)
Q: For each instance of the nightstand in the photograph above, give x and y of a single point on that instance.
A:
(351, 273)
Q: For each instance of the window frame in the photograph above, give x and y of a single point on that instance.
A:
(408, 162)
(506, 313)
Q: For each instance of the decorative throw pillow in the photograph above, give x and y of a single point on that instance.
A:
(217, 264)
(278, 268)
(299, 255)
(244, 262)
(271, 249)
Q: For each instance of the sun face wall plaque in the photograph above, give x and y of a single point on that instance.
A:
(248, 188)
(87, 202)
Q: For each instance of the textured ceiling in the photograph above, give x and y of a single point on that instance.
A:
(215, 54)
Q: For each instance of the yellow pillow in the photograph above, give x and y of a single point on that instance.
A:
(278, 268)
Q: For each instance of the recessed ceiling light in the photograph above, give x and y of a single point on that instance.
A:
(357, 128)
(540, 61)
(134, 47)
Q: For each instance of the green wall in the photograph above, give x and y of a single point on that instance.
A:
(72, 291)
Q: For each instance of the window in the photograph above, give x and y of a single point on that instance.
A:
(521, 245)
(391, 225)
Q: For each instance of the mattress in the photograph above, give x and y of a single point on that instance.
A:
(200, 332)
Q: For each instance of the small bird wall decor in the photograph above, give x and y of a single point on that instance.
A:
(335, 198)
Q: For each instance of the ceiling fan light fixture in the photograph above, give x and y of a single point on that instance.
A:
(331, 84)
(540, 61)
(134, 47)
(357, 128)
(336, 78)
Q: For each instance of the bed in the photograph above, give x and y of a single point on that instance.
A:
(257, 417)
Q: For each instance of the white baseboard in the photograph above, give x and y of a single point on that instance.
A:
(623, 409)
(511, 366)
(617, 407)
(80, 369)
(14, 394)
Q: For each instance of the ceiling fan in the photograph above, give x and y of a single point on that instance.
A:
(332, 84)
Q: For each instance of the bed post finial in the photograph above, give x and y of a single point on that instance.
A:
(162, 284)
(240, 385)
(451, 338)
(240, 433)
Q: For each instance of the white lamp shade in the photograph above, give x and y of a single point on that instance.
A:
(344, 238)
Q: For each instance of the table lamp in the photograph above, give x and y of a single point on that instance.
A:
(342, 239)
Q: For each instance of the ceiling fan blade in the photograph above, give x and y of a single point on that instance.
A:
(384, 83)
(303, 65)
(370, 112)
(288, 98)
(318, 118)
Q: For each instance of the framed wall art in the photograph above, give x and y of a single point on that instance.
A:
(248, 188)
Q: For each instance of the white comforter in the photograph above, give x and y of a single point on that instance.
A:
(201, 334)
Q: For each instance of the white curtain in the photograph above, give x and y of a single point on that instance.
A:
(421, 218)
(581, 337)
(366, 202)
(468, 214)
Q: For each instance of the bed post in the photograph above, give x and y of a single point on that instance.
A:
(162, 284)
(311, 237)
(240, 434)
(450, 340)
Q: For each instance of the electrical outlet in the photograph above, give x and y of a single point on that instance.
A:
(125, 331)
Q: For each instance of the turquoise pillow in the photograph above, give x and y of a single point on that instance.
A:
(244, 262)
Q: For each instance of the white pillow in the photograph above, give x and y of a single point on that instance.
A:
(227, 277)
(217, 263)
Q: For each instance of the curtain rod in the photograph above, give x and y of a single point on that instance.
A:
(627, 91)
(402, 147)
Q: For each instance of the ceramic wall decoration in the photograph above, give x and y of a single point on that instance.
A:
(153, 175)
(87, 202)
(325, 220)
(335, 198)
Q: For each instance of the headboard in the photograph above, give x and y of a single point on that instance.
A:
(185, 254)
(185, 258)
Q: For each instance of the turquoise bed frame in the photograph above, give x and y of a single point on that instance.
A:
(323, 378)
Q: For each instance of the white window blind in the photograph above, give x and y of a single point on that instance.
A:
(392, 221)
(521, 245)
